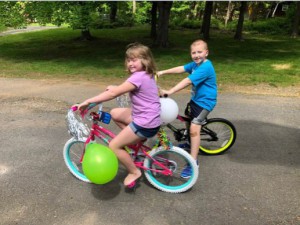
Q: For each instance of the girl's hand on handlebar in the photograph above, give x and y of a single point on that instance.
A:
(83, 106)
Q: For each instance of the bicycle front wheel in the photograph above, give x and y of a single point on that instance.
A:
(217, 136)
(175, 160)
(73, 153)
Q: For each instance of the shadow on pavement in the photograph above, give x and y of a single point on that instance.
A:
(266, 143)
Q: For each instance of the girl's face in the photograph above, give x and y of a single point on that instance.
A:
(134, 65)
(198, 53)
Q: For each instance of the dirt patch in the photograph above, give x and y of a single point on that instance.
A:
(262, 89)
(35, 104)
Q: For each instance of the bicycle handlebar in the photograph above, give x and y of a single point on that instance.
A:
(164, 96)
(90, 106)
(101, 115)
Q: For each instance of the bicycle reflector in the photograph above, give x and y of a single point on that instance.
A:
(104, 117)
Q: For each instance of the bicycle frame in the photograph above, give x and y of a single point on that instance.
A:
(179, 136)
(100, 132)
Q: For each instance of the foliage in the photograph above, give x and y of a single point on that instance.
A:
(143, 12)
(11, 14)
(85, 15)
(277, 25)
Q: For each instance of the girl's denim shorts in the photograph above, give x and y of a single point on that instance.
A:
(143, 132)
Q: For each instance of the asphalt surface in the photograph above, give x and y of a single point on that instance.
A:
(256, 182)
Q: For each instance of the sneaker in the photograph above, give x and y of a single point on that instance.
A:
(187, 171)
(185, 145)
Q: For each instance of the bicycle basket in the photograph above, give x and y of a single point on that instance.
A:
(76, 127)
(123, 101)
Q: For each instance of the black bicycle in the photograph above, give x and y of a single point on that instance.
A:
(217, 135)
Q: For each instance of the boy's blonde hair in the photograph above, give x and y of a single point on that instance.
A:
(199, 42)
(137, 50)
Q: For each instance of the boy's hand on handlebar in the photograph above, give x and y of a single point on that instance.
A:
(165, 93)
(159, 73)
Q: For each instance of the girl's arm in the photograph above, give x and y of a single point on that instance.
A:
(181, 85)
(178, 69)
(110, 93)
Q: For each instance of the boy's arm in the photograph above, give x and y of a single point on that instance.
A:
(178, 69)
(181, 85)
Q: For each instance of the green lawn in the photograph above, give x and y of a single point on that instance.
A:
(58, 54)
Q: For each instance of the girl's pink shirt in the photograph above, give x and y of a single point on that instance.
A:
(145, 100)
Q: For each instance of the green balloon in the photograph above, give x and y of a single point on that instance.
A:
(100, 164)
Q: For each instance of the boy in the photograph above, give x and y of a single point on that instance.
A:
(202, 77)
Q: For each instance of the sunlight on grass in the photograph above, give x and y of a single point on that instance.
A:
(58, 54)
(281, 66)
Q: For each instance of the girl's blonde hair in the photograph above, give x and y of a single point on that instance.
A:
(137, 50)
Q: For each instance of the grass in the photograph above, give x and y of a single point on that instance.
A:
(58, 54)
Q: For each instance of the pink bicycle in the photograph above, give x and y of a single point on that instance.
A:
(161, 164)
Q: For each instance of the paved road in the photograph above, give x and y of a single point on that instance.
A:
(256, 182)
(27, 29)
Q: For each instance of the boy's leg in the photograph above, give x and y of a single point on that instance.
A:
(121, 116)
(126, 137)
(195, 139)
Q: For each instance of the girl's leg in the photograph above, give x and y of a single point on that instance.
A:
(126, 137)
(121, 116)
(195, 139)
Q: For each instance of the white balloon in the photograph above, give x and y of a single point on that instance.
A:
(169, 110)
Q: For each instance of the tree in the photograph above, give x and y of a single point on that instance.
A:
(113, 11)
(164, 9)
(239, 29)
(296, 21)
(153, 20)
(12, 14)
(228, 13)
(206, 20)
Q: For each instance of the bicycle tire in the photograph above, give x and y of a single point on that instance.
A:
(73, 151)
(217, 136)
(177, 159)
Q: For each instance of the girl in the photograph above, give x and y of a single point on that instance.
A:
(143, 119)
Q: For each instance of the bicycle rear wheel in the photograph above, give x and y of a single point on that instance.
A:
(217, 136)
(174, 159)
(73, 153)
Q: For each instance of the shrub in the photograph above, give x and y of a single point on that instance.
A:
(277, 25)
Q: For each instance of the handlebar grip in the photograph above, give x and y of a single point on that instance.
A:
(164, 96)
(74, 108)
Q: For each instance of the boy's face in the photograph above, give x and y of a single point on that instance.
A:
(198, 53)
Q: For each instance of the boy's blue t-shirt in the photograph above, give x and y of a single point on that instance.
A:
(204, 84)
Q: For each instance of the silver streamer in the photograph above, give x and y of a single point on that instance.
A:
(123, 101)
(76, 127)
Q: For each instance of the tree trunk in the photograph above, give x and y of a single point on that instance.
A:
(86, 35)
(206, 20)
(296, 22)
(153, 20)
(239, 29)
(113, 11)
(85, 21)
(133, 6)
(164, 9)
(228, 13)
